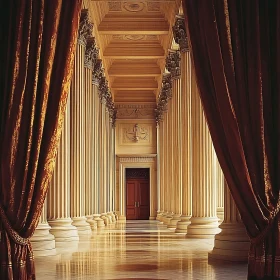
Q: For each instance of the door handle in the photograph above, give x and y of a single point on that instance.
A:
(138, 204)
(135, 204)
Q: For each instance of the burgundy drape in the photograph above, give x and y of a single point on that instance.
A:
(236, 52)
(38, 40)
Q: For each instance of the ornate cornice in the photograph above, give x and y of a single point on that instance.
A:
(137, 159)
(180, 34)
(173, 63)
(85, 28)
(165, 95)
(91, 53)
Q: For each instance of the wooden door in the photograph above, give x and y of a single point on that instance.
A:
(137, 199)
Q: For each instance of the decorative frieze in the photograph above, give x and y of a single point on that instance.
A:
(180, 34)
(91, 53)
(132, 111)
(173, 63)
(85, 28)
(165, 95)
(137, 159)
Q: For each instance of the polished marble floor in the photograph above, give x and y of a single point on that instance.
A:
(136, 250)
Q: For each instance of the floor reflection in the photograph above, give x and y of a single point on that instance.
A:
(142, 250)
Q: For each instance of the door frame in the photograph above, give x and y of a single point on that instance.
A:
(137, 162)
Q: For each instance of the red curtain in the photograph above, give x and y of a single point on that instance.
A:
(38, 40)
(235, 46)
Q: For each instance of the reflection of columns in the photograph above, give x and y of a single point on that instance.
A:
(59, 192)
(232, 244)
(43, 243)
(182, 225)
(204, 221)
(77, 145)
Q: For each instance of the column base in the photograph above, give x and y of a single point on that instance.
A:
(122, 218)
(82, 226)
(173, 222)
(152, 218)
(99, 221)
(109, 217)
(43, 243)
(203, 227)
(220, 214)
(116, 215)
(166, 219)
(104, 218)
(92, 223)
(113, 218)
(182, 225)
(232, 244)
(63, 230)
(159, 215)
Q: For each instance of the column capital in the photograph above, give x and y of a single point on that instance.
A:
(85, 28)
(173, 63)
(97, 72)
(91, 53)
(180, 34)
(164, 96)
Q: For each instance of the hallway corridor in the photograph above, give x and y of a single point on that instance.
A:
(136, 250)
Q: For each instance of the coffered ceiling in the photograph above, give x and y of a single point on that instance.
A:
(133, 38)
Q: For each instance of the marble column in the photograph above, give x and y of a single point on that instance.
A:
(186, 68)
(58, 202)
(77, 151)
(43, 242)
(97, 151)
(204, 221)
(232, 244)
(177, 151)
(91, 54)
(219, 180)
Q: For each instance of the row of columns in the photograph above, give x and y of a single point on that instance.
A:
(81, 193)
(193, 194)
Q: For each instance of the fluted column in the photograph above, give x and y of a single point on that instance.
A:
(91, 55)
(219, 180)
(177, 153)
(58, 202)
(182, 225)
(204, 221)
(232, 244)
(97, 162)
(78, 133)
(43, 242)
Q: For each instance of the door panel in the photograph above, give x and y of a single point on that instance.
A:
(137, 199)
(131, 194)
(144, 200)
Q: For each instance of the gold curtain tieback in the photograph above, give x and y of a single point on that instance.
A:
(12, 233)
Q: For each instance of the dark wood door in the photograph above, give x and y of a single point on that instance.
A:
(137, 199)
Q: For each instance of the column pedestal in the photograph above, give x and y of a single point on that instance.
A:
(203, 227)
(182, 225)
(99, 221)
(232, 244)
(82, 226)
(173, 222)
(63, 230)
(92, 223)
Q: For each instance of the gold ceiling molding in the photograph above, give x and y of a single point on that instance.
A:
(134, 6)
(135, 37)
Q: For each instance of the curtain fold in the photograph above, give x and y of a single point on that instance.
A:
(38, 41)
(235, 46)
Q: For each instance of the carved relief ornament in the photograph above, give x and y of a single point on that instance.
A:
(136, 133)
(173, 63)
(180, 34)
(85, 28)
